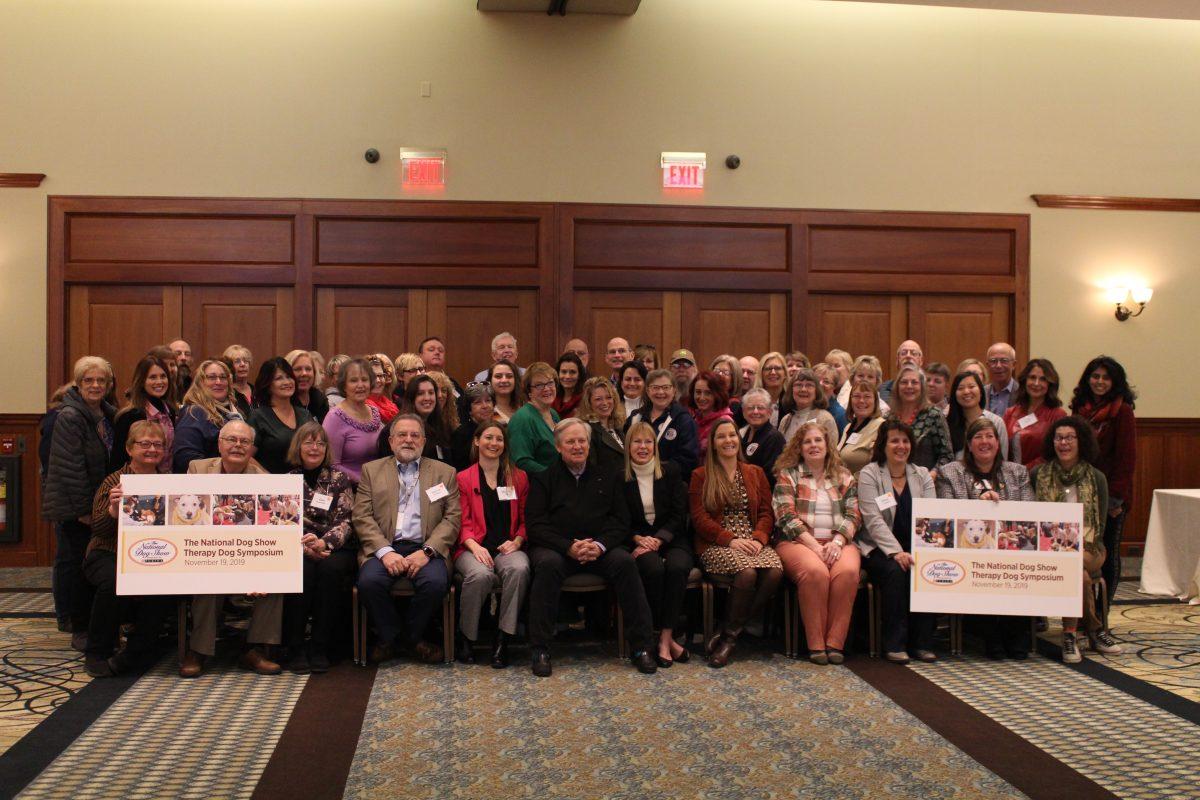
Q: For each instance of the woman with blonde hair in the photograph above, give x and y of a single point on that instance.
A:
(863, 421)
(240, 360)
(772, 375)
(332, 370)
(730, 503)
(910, 405)
(841, 362)
(408, 366)
(308, 385)
(657, 501)
(447, 408)
(207, 406)
(816, 506)
(601, 409)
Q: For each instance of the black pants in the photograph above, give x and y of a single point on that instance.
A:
(664, 579)
(72, 592)
(1113, 527)
(902, 630)
(551, 568)
(326, 599)
(429, 591)
(108, 611)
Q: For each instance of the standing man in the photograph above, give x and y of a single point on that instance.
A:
(504, 348)
(579, 347)
(909, 352)
(183, 364)
(407, 517)
(683, 369)
(616, 354)
(1001, 362)
(433, 355)
(235, 443)
(749, 372)
(577, 519)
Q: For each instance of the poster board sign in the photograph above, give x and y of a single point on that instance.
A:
(210, 534)
(1011, 558)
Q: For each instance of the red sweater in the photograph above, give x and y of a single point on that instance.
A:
(709, 529)
(1116, 433)
(1032, 438)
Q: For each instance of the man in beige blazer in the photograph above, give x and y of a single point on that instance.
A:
(235, 443)
(407, 518)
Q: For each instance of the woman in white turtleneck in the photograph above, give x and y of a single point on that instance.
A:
(657, 501)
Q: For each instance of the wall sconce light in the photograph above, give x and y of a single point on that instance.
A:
(1125, 297)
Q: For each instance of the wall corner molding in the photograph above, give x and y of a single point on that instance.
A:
(1108, 203)
(21, 180)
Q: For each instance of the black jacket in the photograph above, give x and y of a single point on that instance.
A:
(606, 452)
(119, 456)
(78, 459)
(678, 440)
(560, 509)
(670, 506)
(761, 447)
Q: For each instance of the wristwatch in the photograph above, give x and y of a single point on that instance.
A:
(429, 551)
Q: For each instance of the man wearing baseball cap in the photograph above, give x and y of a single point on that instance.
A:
(683, 367)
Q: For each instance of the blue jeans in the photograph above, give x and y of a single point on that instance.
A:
(72, 592)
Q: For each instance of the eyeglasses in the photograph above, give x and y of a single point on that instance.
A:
(537, 387)
(238, 440)
(473, 384)
(147, 444)
(218, 378)
(773, 368)
(998, 361)
(1066, 437)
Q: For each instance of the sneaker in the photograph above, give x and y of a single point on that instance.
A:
(1103, 642)
(896, 656)
(1071, 654)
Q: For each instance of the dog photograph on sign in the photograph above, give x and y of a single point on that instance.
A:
(934, 532)
(1017, 535)
(144, 509)
(976, 534)
(189, 509)
(233, 509)
(1059, 537)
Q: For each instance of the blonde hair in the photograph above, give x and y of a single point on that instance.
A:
(841, 357)
(389, 371)
(198, 394)
(718, 489)
(588, 414)
(88, 363)
(447, 408)
(774, 355)
(235, 350)
(922, 398)
(791, 457)
(145, 427)
(644, 429)
(871, 363)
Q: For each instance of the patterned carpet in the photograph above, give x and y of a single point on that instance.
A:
(39, 672)
(764, 727)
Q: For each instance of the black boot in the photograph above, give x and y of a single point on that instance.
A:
(499, 649)
(462, 649)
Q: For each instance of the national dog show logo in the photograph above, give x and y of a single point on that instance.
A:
(152, 552)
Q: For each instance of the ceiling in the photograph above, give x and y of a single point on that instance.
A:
(1156, 9)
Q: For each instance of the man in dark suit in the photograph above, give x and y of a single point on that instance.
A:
(576, 517)
(407, 518)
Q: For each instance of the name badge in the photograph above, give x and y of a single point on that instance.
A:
(1027, 420)
(321, 501)
(670, 434)
(751, 448)
(435, 493)
(506, 493)
(853, 438)
(885, 501)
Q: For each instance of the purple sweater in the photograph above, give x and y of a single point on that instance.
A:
(352, 443)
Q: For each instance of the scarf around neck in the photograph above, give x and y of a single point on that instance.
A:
(1052, 482)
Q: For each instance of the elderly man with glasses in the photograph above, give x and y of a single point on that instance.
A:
(1001, 363)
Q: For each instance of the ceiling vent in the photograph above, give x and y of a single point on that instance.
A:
(562, 7)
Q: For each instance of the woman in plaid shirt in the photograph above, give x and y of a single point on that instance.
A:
(816, 512)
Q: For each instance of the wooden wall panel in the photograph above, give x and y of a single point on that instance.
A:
(120, 323)
(255, 317)
(1168, 457)
(859, 324)
(360, 321)
(950, 329)
(168, 239)
(640, 317)
(467, 319)
(728, 322)
(922, 250)
(711, 246)
(427, 242)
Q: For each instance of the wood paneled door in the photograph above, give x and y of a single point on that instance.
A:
(951, 328)
(361, 321)
(467, 319)
(856, 323)
(258, 318)
(120, 323)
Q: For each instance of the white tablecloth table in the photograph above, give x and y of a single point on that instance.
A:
(1171, 563)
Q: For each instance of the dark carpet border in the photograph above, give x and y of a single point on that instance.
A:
(1134, 687)
(24, 590)
(33, 752)
(1015, 760)
(330, 711)
(1149, 601)
(26, 615)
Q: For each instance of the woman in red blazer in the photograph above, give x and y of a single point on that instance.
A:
(491, 545)
(732, 518)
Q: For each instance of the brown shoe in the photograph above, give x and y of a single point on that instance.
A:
(192, 665)
(722, 652)
(712, 643)
(255, 661)
(381, 652)
(427, 653)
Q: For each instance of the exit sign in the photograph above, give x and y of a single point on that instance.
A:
(423, 167)
(683, 170)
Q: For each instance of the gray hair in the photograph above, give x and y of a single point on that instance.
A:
(244, 424)
(560, 430)
(757, 394)
(409, 417)
(502, 335)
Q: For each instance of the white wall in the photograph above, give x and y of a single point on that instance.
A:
(830, 105)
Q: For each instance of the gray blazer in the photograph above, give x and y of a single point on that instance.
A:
(875, 480)
(954, 482)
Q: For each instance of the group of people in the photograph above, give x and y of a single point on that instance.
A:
(752, 470)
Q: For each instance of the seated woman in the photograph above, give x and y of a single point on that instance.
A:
(571, 376)
(761, 443)
(886, 489)
(862, 426)
(490, 545)
(277, 414)
(657, 502)
(966, 397)
(352, 425)
(816, 505)
(1068, 475)
(506, 389)
(206, 407)
(150, 397)
(531, 431)
(479, 410)
(147, 447)
(982, 474)
(330, 551)
(804, 401)
(709, 403)
(631, 386)
(674, 426)
(730, 504)
(1035, 405)
(601, 409)
(911, 405)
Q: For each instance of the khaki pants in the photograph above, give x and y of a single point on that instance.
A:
(1092, 562)
(265, 621)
